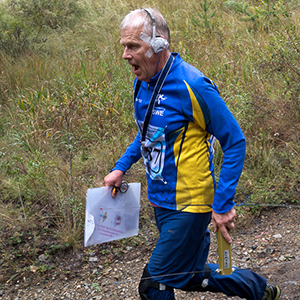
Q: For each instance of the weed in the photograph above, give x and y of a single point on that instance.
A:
(206, 14)
(96, 287)
(105, 251)
(262, 16)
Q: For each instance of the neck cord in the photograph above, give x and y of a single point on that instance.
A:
(154, 96)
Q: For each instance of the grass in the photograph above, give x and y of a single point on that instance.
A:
(66, 107)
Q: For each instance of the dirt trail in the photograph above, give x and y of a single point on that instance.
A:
(268, 243)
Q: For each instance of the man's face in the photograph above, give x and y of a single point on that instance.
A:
(134, 52)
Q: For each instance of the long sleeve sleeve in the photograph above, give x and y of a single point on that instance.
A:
(131, 155)
(225, 128)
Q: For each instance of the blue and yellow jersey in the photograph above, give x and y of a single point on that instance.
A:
(188, 114)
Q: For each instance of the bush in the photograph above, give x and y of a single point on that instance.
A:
(25, 23)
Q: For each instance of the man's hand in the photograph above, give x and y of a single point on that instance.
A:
(114, 179)
(224, 222)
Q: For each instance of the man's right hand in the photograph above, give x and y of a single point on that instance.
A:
(224, 222)
(114, 178)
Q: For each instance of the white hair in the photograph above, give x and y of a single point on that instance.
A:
(140, 17)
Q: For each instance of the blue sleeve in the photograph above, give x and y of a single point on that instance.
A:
(225, 128)
(131, 156)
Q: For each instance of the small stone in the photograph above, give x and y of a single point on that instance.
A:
(282, 258)
(291, 282)
(93, 259)
(42, 258)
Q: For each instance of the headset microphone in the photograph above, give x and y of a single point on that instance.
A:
(158, 44)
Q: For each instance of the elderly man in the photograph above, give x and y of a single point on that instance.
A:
(179, 113)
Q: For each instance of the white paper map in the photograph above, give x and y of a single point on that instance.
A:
(107, 218)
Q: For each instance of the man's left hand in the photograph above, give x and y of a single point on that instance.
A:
(224, 222)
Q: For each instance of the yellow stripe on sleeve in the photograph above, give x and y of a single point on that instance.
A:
(197, 111)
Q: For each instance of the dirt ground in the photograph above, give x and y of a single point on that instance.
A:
(267, 242)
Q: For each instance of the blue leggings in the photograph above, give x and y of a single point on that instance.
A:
(182, 248)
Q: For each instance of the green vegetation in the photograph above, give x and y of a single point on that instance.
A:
(66, 107)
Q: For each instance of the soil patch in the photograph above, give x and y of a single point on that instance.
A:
(267, 242)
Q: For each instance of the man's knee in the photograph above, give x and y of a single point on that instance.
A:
(148, 287)
(199, 282)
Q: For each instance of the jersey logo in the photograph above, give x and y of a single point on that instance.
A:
(161, 98)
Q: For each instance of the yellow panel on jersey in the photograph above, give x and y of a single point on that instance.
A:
(195, 187)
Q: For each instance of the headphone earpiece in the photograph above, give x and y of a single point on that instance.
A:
(158, 44)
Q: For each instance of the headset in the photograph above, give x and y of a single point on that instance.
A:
(158, 44)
